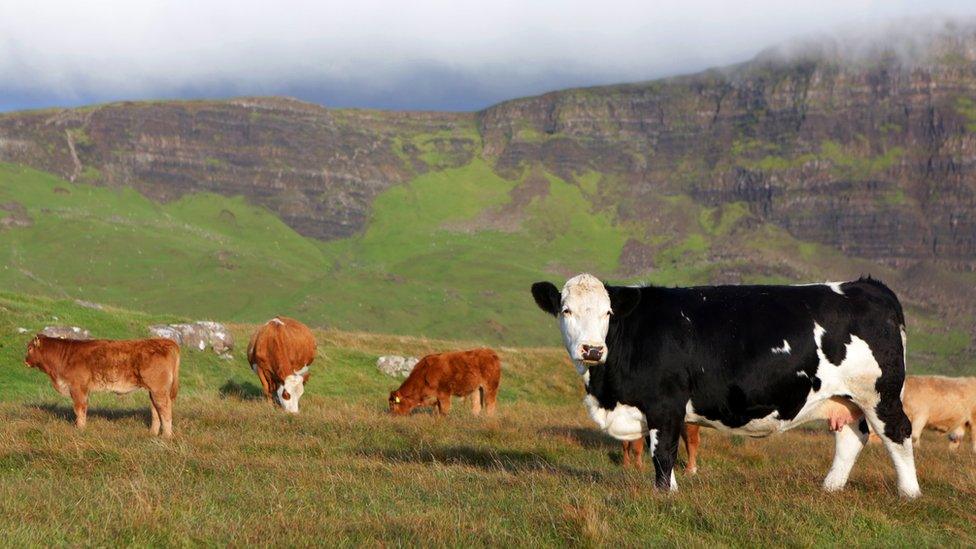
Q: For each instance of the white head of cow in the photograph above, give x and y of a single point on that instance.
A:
(291, 391)
(584, 309)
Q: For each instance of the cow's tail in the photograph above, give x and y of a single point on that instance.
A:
(175, 386)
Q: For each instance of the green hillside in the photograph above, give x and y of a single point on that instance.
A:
(450, 255)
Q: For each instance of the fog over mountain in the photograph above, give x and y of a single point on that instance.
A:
(432, 55)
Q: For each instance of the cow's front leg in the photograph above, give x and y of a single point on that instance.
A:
(663, 442)
(444, 403)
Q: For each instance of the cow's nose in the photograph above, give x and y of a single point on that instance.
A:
(592, 353)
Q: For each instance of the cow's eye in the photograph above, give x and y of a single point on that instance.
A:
(609, 313)
(567, 312)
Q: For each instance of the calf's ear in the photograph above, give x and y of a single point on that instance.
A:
(623, 300)
(547, 297)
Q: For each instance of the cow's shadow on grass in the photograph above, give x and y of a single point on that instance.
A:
(67, 413)
(241, 391)
(585, 438)
(589, 439)
(490, 460)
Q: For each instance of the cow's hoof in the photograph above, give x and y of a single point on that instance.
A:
(911, 491)
(833, 485)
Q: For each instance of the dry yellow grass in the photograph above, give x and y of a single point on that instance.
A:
(346, 473)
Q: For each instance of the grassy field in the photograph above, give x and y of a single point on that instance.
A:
(346, 473)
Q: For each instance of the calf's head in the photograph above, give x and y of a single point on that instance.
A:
(584, 309)
(291, 390)
(400, 404)
(33, 358)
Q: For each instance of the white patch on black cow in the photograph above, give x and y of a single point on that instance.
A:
(783, 350)
(622, 422)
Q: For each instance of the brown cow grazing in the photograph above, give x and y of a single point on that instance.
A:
(78, 367)
(944, 404)
(633, 450)
(280, 353)
(436, 377)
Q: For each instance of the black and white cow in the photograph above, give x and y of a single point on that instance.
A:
(751, 360)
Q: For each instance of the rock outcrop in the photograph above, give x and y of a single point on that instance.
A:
(396, 366)
(198, 335)
(66, 332)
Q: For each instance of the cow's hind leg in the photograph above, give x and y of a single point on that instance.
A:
(476, 400)
(164, 405)
(892, 426)
(490, 398)
(955, 437)
(848, 442)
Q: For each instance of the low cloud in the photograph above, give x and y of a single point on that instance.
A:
(400, 55)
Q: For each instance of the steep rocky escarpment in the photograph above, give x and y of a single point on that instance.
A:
(876, 158)
(319, 169)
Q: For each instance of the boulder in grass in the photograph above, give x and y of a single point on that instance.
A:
(396, 366)
(197, 335)
(66, 332)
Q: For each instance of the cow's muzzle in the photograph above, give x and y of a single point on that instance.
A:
(592, 353)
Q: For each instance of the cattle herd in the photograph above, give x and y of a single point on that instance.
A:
(656, 364)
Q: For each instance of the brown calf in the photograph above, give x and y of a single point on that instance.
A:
(280, 352)
(436, 377)
(634, 449)
(944, 404)
(79, 367)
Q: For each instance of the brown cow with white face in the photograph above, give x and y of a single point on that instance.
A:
(280, 353)
(78, 367)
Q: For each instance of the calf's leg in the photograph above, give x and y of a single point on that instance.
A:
(625, 450)
(476, 401)
(154, 425)
(490, 398)
(443, 404)
(692, 438)
(79, 398)
(918, 425)
(164, 406)
(955, 437)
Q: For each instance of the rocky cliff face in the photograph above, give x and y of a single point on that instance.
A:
(318, 169)
(875, 156)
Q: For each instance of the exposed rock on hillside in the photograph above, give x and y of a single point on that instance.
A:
(197, 335)
(66, 332)
(396, 366)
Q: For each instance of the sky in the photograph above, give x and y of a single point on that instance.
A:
(401, 55)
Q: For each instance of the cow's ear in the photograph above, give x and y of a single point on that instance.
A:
(623, 300)
(547, 297)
